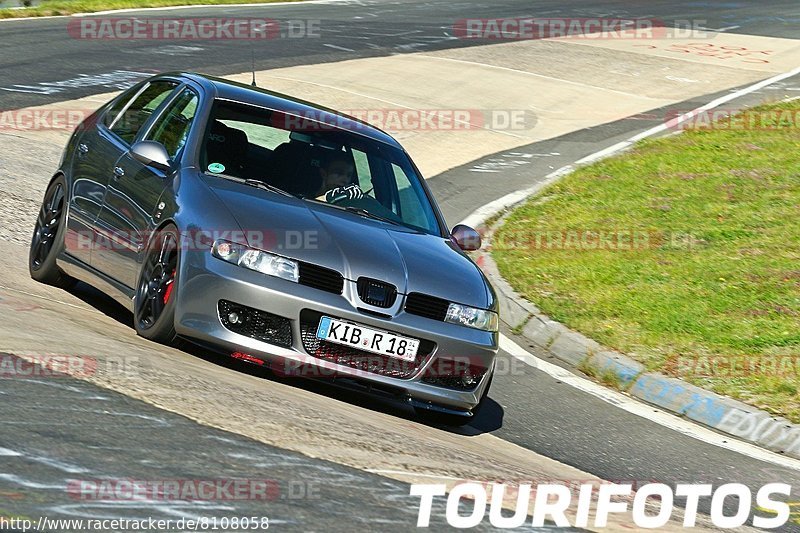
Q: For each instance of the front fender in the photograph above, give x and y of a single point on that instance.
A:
(200, 218)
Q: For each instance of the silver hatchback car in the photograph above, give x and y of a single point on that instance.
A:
(282, 233)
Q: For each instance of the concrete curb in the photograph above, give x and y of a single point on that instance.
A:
(718, 412)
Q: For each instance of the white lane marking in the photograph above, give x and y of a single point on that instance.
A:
(401, 34)
(119, 79)
(5, 452)
(716, 103)
(492, 208)
(684, 80)
(719, 30)
(648, 412)
(661, 128)
(508, 161)
(58, 465)
(23, 482)
(339, 47)
(49, 299)
(560, 80)
(170, 50)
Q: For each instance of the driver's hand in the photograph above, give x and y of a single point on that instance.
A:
(348, 192)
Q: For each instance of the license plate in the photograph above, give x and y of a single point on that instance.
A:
(367, 339)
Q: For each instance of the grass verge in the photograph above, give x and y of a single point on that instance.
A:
(48, 8)
(683, 253)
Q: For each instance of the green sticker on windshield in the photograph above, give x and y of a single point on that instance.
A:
(216, 168)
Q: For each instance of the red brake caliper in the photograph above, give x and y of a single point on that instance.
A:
(168, 290)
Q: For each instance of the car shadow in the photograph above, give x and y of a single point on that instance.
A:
(103, 303)
(488, 419)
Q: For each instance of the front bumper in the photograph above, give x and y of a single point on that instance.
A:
(204, 281)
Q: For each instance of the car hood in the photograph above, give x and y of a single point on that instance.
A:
(354, 245)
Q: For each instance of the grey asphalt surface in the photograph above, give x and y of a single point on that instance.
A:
(63, 438)
(38, 52)
(532, 410)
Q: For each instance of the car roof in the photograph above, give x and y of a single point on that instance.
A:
(247, 94)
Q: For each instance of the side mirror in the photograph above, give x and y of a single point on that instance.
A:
(153, 154)
(466, 238)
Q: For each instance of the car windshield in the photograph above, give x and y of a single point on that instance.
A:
(317, 162)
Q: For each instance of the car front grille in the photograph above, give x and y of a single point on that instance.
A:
(375, 292)
(427, 306)
(255, 324)
(359, 359)
(324, 279)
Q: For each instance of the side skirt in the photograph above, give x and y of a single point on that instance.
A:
(91, 276)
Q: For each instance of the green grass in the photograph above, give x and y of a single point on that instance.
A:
(608, 377)
(726, 286)
(49, 8)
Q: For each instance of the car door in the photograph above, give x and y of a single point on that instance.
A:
(113, 239)
(134, 190)
(96, 148)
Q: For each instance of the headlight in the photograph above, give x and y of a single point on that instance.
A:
(472, 317)
(264, 262)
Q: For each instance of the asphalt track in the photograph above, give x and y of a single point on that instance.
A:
(95, 428)
(529, 409)
(33, 52)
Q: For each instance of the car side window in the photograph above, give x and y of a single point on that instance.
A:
(260, 135)
(131, 120)
(118, 106)
(362, 170)
(411, 205)
(172, 127)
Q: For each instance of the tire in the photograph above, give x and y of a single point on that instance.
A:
(453, 420)
(47, 241)
(156, 290)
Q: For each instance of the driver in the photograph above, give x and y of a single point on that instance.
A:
(337, 180)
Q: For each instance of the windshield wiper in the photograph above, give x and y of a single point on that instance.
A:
(364, 213)
(264, 185)
(254, 183)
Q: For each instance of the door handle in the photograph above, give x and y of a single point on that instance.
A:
(119, 172)
(83, 149)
